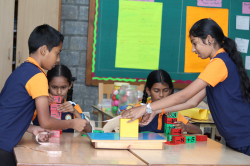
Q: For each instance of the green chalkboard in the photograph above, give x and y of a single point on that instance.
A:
(102, 35)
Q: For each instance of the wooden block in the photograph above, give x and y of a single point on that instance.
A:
(129, 129)
(176, 132)
(57, 99)
(169, 137)
(190, 139)
(114, 141)
(173, 115)
(56, 133)
(53, 107)
(178, 139)
(167, 128)
(170, 120)
(201, 138)
(56, 114)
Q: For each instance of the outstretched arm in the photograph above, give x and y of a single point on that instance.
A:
(172, 100)
(193, 102)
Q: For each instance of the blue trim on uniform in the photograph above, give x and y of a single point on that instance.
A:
(153, 125)
(230, 113)
(16, 106)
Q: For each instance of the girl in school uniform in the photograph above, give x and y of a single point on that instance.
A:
(60, 83)
(159, 85)
(224, 81)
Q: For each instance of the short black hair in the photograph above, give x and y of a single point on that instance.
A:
(44, 35)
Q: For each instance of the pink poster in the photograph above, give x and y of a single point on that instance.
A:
(245, 7)
(211, 3)
(145, 0)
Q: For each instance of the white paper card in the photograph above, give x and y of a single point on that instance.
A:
(247, 63)
(242, 44)
(242, 22)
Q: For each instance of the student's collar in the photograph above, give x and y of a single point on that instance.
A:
(33, 61)
(219, 51)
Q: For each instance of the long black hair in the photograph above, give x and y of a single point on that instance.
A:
(157, 76)
(62, 70)
(205, 27)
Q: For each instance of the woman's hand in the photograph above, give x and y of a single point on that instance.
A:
(134, 113)
(66, 107)
(180, 125)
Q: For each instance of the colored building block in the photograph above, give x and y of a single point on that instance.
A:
(56, 133)
(170, 120)
(176, 132)
(98, 131)
(169, 137)
(178, 139)
(190, 139)
(57, 99)
(201, 138)
(129, 129)
(56, 114)
(173, 115)
(167, 128)
(53, 107)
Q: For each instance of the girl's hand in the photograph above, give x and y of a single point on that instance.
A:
(180, 125)
(51, 99)
(66, 107)
(79, 124)
(147, 118)
(134, 113)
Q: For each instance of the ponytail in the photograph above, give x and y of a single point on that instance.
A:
(205, 27)
(145, 96)
(230, 47)
(70, 91)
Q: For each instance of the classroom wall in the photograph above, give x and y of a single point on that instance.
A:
(74, 27)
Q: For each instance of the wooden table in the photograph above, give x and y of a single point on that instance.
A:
(209, 152)
(77, 150)
(205, 123)
(101, 113)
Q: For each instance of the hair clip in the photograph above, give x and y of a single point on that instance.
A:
(223, 41)
(209, 18)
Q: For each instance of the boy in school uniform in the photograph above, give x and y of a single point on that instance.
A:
(26, 90)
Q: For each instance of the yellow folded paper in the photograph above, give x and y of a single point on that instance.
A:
(195, 113)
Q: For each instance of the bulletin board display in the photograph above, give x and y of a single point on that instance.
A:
(103, 34)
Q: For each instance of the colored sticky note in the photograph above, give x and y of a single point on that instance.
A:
(245, 7)
(213, 3)
(138, 35)
(194, 64)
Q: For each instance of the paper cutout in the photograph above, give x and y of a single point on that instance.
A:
(242, 22)
(247, 63)
(245, 7)
(195, 113)
(138, 35)
(242, 44)
(211, 3)
(193, 64)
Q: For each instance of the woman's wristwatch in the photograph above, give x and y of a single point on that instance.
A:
(149, 109)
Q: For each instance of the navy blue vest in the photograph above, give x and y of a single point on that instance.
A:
(230, 112)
